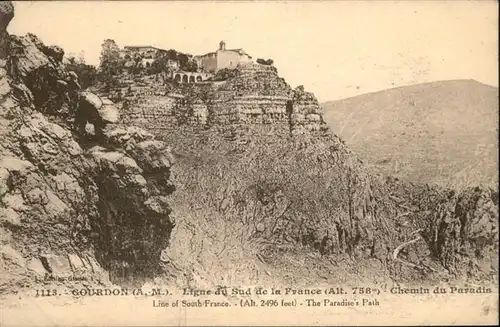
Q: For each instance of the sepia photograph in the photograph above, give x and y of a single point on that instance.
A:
(307, 163)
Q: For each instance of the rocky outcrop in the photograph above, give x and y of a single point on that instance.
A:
(254, 98)
(305, 113)
(258, 96)
(467, 241)
(255, 95)
(6, 15)
(459, 228)
(132, 179)
(74, 203)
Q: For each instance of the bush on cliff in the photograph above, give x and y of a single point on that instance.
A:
(225, 74)
(267, 62)
(87, 74)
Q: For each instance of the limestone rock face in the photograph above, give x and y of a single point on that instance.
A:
(306, 115)
(68, 208)
(256, 95)
(254, 99)
(460, 228)
(6, 15)
(91, 99)
(38, 69)
(469, 238)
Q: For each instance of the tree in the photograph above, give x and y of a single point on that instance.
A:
(87, 74)
(159, 65)
(183, 60)
(267, 62)
(71, 60)
(110, 60)
(225, 74)
(191, 66)
(172, 54)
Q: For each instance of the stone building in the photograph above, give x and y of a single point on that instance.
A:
(222, 58)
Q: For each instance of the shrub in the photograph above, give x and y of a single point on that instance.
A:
(87, 74)
(267, 62)
(225, 74)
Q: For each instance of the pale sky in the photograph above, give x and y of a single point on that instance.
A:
(336, 49)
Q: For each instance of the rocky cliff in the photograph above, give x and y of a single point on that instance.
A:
(255, 98)
(80, 196)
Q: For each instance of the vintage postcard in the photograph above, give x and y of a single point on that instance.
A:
(270, 163)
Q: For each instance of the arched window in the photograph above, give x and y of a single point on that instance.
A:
(148, 65)
(198, 78)
(177, 77)
(191, 79)
(184, 78)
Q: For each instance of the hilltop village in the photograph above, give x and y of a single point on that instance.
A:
(161, 89)
(184, 68)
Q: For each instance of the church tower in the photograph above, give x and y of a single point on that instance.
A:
(222, 46)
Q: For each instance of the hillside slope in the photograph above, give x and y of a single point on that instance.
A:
(441, 132)
(299, 212)
(264, 193)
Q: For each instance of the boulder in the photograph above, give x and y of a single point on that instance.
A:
(54, 52)
(91, 99)
(98, 111)
(109, 113)
(11, 163)
(29, 57)
(152, 155)
(36, 266)
(106, 101)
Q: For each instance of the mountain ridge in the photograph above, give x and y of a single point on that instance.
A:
(434, 127)
(409, 85)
